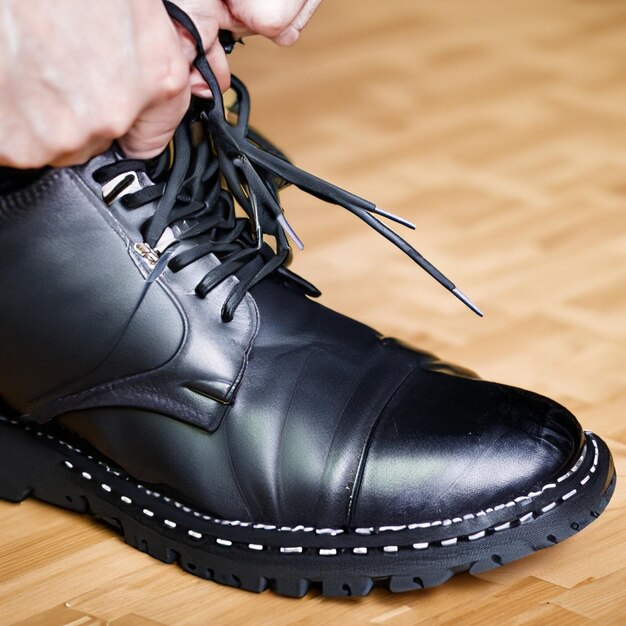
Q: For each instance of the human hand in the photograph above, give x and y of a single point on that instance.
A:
(77, 74)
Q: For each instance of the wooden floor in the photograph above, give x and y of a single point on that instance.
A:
(499, 128)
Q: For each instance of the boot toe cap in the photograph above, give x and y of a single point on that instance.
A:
(447, 446)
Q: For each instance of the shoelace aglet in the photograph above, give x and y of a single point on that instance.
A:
(282, 220)
(393, 218)
(467, 302)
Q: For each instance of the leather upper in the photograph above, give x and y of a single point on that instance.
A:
(83, 329)
(289, 414)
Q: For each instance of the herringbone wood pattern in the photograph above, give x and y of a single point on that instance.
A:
(499, 128)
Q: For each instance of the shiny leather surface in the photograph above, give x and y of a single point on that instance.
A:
(334, 425)
(78, 329)
(318, 419)
(458, 440)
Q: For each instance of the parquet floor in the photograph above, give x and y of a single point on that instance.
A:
(499, 128)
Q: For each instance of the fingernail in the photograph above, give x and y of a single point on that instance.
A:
(199, 87)
(202, 91)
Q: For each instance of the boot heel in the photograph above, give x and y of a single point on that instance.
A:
(29, 467)
(14, 485)
(13, 492)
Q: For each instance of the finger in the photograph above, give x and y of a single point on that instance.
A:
(268, 18)
(216, 56)
(218, 62)
(208, 16)
(155, 126)
(156, 122)
(187, 43)
(292, 32)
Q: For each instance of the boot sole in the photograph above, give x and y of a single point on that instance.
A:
(39, 462)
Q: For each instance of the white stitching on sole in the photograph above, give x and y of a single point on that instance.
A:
(365, 531)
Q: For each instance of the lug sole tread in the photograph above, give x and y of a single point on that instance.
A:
(427, 570)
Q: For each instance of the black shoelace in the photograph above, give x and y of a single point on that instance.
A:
(231, 162)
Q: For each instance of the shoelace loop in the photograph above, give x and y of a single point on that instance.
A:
(234, 163)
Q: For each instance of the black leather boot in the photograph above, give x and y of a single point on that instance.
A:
(163, 370)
